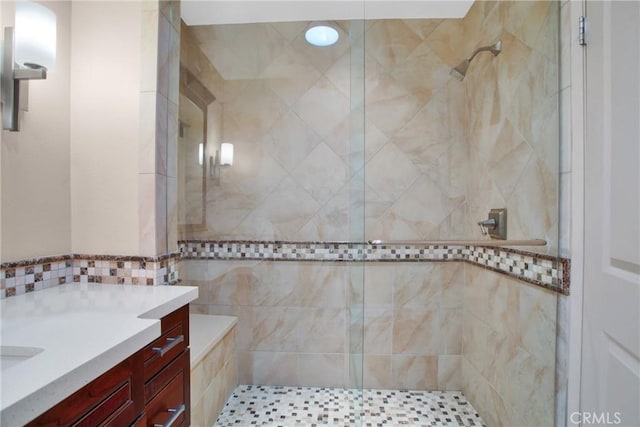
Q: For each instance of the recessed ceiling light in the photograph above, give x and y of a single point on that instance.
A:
(321, 34)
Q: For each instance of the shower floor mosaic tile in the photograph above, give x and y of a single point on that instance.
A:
(304, 406)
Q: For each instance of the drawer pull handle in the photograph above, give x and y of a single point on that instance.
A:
(176, 414)
(171, 342)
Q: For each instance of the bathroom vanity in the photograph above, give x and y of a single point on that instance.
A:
(90, 355)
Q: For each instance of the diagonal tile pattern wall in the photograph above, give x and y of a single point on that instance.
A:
(439, 153)
(513, 119)
(286, 108)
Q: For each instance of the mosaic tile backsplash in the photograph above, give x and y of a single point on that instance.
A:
(17, 278)
(541, 270)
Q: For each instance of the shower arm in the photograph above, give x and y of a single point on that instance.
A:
(491, 49)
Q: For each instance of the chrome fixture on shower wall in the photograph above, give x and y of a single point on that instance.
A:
(223, 158)
(496, 225)
(461, 70)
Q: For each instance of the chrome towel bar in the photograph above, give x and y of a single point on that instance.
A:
(531, 242)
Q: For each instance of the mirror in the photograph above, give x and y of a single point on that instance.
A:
(192, 158)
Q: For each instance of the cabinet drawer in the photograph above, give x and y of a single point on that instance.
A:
(164, 377)
(115, 411)
(170, 407)
(113, 399)
(172, 342)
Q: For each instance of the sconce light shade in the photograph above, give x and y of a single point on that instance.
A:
(35, 36)
(200, 153)
(226, 154)
(29, 51)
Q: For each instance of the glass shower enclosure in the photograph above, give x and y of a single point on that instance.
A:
(344, 236)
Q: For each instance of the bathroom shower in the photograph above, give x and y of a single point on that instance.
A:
(338, 237)
(461, 70)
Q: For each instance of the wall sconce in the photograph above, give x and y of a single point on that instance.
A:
(223, 158)
(29, 51)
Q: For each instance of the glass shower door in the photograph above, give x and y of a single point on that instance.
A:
(281, 247)
(356, 272)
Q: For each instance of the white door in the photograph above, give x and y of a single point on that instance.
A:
(610, 386)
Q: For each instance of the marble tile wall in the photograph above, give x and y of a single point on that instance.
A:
(513, 119)
(512, 107)
(439, 153)
(158, 150)
(299, 322)
(508, 355)
(287, 109)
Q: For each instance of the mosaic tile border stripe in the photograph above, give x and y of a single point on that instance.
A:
(541, 270)
(17, 278)
(24, 276)
(316, 251)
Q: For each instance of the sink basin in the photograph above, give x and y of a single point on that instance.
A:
(11, 356)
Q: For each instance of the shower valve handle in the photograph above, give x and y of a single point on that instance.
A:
(487, 224)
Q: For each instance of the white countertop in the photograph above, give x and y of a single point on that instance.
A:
(83, 331)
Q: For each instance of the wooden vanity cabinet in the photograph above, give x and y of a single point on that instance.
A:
(166, 373)
(147, 389)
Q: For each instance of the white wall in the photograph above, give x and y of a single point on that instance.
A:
(105, 104)
(71, 178)
(35, 161)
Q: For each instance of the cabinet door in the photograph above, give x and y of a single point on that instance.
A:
(169, 391)
(170, 407)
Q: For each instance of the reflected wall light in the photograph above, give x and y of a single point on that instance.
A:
(29, 51)
(321, 34)
(226, 154)
(223, 158)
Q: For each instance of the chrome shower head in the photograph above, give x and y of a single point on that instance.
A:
(461, 70)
